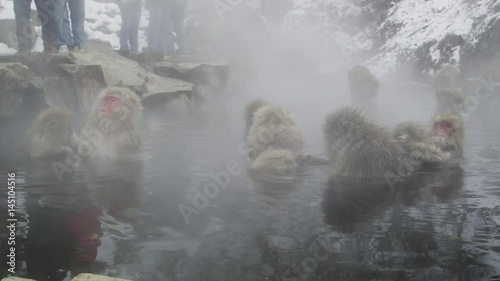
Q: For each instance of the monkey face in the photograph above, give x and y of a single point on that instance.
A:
(109, 103)
(443, 129)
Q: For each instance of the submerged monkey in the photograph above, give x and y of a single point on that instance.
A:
(363, 84)
(446, 77)
(52, 133)
(450, 100)
(360, 148)
(274, 138)
(446, 133)
(115, 118)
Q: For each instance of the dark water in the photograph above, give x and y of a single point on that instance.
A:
(143, 220)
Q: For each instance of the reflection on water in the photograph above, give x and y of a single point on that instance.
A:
(188, 210)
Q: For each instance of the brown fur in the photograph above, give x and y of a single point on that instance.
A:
(121, 134)
(364, 85)
(51, 134)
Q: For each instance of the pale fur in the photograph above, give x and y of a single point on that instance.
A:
(274, 128)
(274, 161)
(360, 148)
(446, 77)
(121, 133)
(52, 134)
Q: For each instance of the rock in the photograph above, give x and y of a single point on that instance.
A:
(94, 277)
(8, 33)
(120, 71)
(209, 78)
(14, 81)
(84, 81)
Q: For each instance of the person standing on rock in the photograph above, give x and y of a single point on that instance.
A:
(24, 27)
(131, 17)
(77, 17)
(158, 24)
(178, 18)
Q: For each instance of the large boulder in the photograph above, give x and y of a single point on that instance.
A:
(120, 71)
(14, 83)
(209, 78)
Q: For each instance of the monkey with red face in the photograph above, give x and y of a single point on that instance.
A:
(113, 124)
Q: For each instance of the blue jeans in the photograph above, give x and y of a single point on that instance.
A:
(77, 17)
(159, 22)
(45, 10)
(129, 33)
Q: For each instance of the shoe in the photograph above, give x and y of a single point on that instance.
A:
(63, 49)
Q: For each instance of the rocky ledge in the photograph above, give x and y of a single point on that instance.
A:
(73, 80)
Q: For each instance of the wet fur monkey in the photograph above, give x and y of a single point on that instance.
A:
(113, 124)
(274, 138)
(446, 132)
(52, 133)
(363, 84)
(360, 148)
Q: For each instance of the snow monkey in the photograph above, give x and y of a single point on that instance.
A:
(360, 148)
(250, 109)
(450, 100)
(52, 133)
(274, 138)
(363, 84)
(446, 132)
(113, 124)
(446, 77)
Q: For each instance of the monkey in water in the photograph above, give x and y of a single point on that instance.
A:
(113, 123)
(450, 100)
(446, 132)
(363, 84)
(360, 148)
(250, 110)
(446, 77)
(52, 133)
(274, 138)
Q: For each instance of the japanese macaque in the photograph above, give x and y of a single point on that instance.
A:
(274, 138)
(51, 134)
(442, 139)
(448, 133)
(446, 77)
(250, 110)
(450, 100)
(360, 148)
(364, 85)
(113, 124)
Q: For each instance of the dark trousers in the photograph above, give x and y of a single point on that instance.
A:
(157, 29)
(24, 29)
(129, 33)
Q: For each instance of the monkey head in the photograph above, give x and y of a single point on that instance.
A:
(118, 104)
(56, 123)
(251, 108)
(449, 127)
